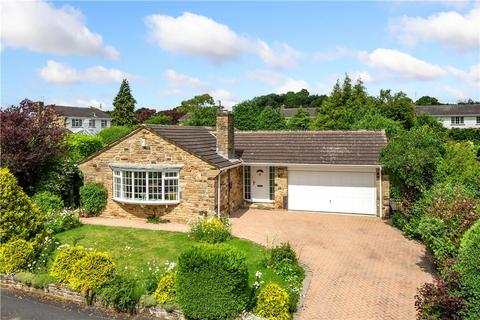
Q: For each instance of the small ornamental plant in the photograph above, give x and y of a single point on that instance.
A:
(272, 303)
(16, 255)
(210, 230)
(166, 288)
(93, 198)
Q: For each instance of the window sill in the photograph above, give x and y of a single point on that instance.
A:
(145, 202)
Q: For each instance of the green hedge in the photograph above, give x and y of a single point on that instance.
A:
(48, 202)
(469, 268)
(212, 282)
(16, 255)
(112, 134)
(93, 198)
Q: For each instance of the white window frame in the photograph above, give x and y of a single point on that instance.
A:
(457, 121)
(478, 120)
(103, 123)
(90, 122)
(120, 196)
(75, 122)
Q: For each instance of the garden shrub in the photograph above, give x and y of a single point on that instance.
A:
(210, 230)
(212, 282)
(166, 288)
(62, 266)
(24, 277)
(282, 253)
(93, 197)
(272, 303)
(16, 255)
(42, 280)
(19, 217)
(48, 202)
(112, 134)
(45, 250)
(62, 221)
(121, 293)
(148, 300)
(440, 299)
(81, 146)
(469, 268)
(434, 235)
(92, 271)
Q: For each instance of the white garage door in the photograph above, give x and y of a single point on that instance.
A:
(346, 192)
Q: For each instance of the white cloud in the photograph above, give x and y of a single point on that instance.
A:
(281, 83)
(41, 27)
(282, 57)
(452, 29)
(177, 79)
(471, 76)
(226, 98)
(363, 75)
(402, 65)
(455, 92)
(200, 36)
(56, 72)
(195, 35)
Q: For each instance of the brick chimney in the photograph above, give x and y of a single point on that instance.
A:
(224, 133)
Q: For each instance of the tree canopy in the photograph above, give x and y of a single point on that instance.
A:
(123, 113)
(427, 101)
(203, 100)
(301, 120)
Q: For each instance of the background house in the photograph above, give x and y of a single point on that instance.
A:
(454, 115)
(83, 120)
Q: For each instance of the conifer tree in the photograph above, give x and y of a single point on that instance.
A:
(124, 105)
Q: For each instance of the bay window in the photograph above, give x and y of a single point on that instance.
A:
(146, 186)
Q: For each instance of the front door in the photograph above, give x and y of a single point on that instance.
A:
(260, 186)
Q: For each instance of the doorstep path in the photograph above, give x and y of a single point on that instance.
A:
(362, 268)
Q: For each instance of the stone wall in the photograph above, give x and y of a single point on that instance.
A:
(197, 177)
(281, 187)
(231, 192)
(385, 195)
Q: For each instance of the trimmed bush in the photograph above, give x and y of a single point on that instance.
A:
(112, 134)
(469, 268)
(16, 255)
(48, 202)
(93, 198)
(62, 267)
(92, 271)
(81, 146)
(272, 303)
(212, 282)
(121, 293)
(166, 288)
(19, 217)
(210, 230)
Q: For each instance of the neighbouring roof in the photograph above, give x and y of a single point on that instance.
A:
(197, 140)
(310, 147)
(89, 112)
(450, 109)
(290, 112)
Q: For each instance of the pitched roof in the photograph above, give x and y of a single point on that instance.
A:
(310, 147)
(89, 112)
(290, 112)
(197, 140)
(450, 109)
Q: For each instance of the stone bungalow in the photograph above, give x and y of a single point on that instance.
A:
(178, 172)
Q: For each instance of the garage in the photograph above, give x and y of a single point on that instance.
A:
(332, 191)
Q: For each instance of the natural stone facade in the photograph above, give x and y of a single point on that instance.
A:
(225, 134)
(231, 193)
(385, 195)
(281, 188)
(197, 180)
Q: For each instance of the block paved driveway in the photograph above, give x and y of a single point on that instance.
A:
(362, 268)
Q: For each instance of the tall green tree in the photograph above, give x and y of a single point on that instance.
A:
(270, 119)
(203, 116)
(203, 100)
(301, 120)
(123, 113)
(246, 115)
(427, 101)
(397, 106)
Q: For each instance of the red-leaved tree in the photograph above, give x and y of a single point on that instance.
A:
(30, 138)
(143, 114)
(173, 114)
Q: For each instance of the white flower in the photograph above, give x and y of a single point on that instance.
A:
(258, 274)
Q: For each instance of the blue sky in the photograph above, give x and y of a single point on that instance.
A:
(76, 53)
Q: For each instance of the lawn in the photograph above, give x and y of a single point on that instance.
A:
(140, 252)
